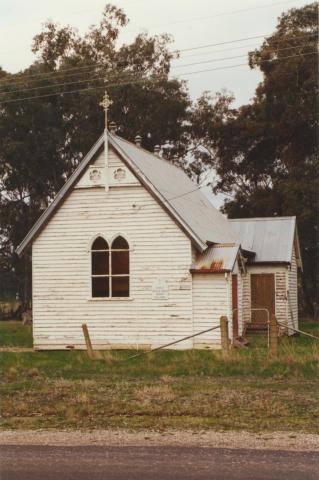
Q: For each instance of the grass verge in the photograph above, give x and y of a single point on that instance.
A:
(169, 389)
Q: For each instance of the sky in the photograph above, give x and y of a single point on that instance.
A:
(192, 24)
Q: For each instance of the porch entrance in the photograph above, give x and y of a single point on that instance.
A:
(262, 297)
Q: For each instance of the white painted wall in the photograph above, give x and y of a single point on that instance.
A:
(292, 282)
(210, 302)
(280, 273)
(61, 272)
(238, 272)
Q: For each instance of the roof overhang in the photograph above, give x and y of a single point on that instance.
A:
(60, 197)
(199, 244)
(67, 188)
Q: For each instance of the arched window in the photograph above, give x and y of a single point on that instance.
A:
(120, 268)
(100, 268)
(110, 268)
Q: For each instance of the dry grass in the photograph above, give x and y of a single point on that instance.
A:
(155, 393)
(164, 390)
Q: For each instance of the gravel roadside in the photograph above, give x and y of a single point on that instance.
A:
(264, 441)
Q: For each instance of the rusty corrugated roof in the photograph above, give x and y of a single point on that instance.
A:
(216, 259)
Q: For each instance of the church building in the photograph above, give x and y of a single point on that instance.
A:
(134, 249)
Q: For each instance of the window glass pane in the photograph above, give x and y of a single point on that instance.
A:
(120, 263)
(120, 242)
(100, 263)
(120, 287)
(100, 244)
(100, 287)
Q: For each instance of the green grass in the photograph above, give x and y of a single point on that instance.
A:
(14, 334)
(169, 389)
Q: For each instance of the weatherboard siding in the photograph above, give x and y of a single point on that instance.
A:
(61, 272)
(280, 273)
(239, 274)
(210, 302)
(292, 274)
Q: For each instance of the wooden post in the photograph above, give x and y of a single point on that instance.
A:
(273, 337)
(89, 347)
(224, 335)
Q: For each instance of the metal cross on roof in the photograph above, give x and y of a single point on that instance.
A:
(106, 103)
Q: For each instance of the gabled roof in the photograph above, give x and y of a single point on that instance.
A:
(216, 259)
(171, 187)
(272, 239)
(184, 197)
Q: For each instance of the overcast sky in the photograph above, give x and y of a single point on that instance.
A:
(191, 22)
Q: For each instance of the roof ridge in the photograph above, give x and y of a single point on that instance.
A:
(157, 157)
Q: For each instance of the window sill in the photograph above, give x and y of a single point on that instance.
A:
(113, 299)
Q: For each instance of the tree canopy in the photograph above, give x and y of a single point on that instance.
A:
(264, 153)
(46, 136)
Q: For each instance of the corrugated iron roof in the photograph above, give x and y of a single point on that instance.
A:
(169, 184)
(216, 259)
(271, 238)
(188, 202)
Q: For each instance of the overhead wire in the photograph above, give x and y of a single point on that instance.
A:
(173, 66)
(230, 12)
(144, 80)
(130, 82)
(94, 78)
(90, 65)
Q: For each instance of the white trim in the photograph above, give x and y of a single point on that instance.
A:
(109, 275)
(119, 234)
(110, 299)
(89, 249)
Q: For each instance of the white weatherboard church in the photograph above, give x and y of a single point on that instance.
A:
(131, 247)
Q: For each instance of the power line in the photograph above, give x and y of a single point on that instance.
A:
(231, 12)
(221, 14)
(241, 40)
(141, 80)
(243, 46)
(87, 66)
(41, 87)
(104, 66)
(102, 78)
(149, 78)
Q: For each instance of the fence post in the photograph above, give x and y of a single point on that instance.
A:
(89, 347)
(224, 335)
(273, 336)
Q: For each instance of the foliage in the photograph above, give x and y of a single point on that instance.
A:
(266, 152)
(44, 139)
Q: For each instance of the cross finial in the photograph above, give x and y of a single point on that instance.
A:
(105, 104)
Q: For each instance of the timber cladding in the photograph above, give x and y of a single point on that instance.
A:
(262, 297)
(159, 250)
(280, 275)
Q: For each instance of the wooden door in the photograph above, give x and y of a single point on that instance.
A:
(235, 305)
(262, 296)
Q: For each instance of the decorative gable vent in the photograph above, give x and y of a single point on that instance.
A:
(119, 174)
(95, 175)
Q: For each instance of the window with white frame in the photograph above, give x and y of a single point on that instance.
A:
(110, 268)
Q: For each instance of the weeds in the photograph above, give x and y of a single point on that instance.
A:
(167, 389)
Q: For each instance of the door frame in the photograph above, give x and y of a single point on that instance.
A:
(273, 273)
(235, 309)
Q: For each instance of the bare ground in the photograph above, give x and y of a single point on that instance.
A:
(260, 441)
